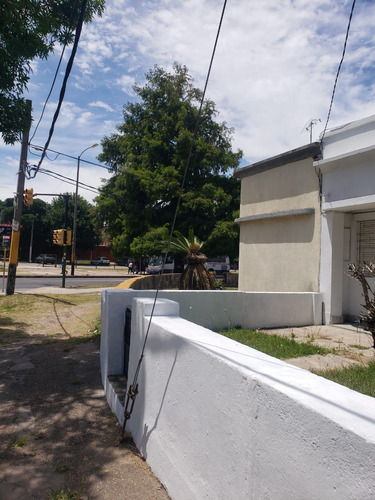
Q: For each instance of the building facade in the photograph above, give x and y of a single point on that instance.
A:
(280, 223)
(307, 214)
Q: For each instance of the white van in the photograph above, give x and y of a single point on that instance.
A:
(155, 265)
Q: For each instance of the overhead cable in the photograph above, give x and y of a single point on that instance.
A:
(58, 153)
(133, 388)
(338, 70)
(68, 180)
(57, 70)
(50, 91)
(65, 80)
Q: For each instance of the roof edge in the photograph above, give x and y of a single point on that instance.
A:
(313, 150)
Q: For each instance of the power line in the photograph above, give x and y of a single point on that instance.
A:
(59, 153)
(338, 70)
(57, 70)
(65, 80)
(50, 92)
(133, 388)
(68, 180)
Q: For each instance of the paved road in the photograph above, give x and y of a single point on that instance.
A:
(40, 282)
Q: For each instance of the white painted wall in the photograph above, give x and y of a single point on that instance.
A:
(350, 137)
(348, 195)
(332, 265)
(212, 309)
(348, 180)
(218, 420)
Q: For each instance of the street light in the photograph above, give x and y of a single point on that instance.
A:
(74, 235)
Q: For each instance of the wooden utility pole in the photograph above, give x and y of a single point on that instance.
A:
(16, 223)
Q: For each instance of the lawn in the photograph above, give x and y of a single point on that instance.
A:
(43, 317)
(278, 347)
(360, 378)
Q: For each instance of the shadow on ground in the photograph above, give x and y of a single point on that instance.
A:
(56, 430)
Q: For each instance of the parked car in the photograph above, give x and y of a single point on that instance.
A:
(46, 258)
(100, 261)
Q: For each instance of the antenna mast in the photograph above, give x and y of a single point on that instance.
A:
(309, 126)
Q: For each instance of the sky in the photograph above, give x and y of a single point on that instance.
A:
(273, 73)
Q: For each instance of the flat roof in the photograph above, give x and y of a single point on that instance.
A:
(313, 150)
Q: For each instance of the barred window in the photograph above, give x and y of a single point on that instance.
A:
(366, 241)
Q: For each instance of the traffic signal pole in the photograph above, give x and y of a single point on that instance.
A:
(63, 268)
(16, 223)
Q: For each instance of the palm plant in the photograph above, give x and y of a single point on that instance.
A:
(195, 276)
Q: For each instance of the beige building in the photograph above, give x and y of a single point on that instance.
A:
(280, 223)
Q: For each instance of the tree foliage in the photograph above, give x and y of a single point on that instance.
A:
(34, 219)
(148, 155)
(29, 29)
(44, 218)
(87, 236)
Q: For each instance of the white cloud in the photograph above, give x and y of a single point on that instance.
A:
(101, 104)
(273, 70)
(126, 82)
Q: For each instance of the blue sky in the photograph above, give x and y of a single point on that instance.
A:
(274, 70)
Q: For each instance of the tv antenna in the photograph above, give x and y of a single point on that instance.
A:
(309, 126)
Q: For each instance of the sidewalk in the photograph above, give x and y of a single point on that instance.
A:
(56, 429)
(25, 269)
(352, 345)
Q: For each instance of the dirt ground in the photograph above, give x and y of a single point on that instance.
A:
(57, 433)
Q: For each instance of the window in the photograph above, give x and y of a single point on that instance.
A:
(366, 241)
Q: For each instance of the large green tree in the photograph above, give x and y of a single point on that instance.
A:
(29, 29)
(148, 155)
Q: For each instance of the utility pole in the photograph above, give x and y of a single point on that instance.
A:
(16, 223)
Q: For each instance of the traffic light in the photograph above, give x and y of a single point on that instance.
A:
(28, 195)
(68, 237)
(58, 236)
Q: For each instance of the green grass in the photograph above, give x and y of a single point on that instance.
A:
(358, 346)
(18, 442)
(63, 494)
(278, 347)
(360, 378)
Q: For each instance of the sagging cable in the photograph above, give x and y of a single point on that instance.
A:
(133, 388)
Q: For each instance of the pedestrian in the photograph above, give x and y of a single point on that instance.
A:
(130, 267)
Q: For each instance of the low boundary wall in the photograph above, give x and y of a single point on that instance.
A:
(152, 282)
(217, 419)
(215, 310)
